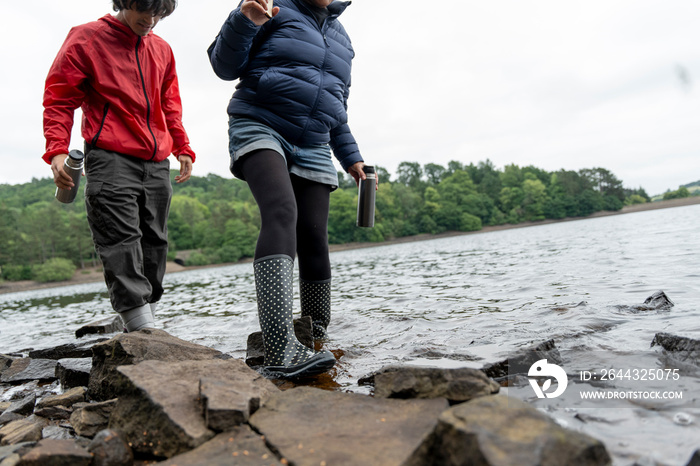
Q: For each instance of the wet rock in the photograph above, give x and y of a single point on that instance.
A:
(57, 413)
(111, 324)
(682, 349)
(255, 351)
(430, 353)
(240, 446)
(23, 406)
(108, 449)
(67, 399)
(12, 453)
(74, 372)
(27, 369)
(19, 431)
(160, 412)
(132, 348)
(456, 385)
(309, 426)
(658, 300)
(57, 433)
(520, 362)
(4, 405)
(503, 431)
(56, 452)
(695, 459)
(229, 403)
(6, 418)
(69, 350)
(15, 392)
(90, 418)
(18, 409)
(5, 362)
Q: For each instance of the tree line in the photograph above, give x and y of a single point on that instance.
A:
(216, 220)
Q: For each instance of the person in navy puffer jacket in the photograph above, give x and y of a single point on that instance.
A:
(289, 111)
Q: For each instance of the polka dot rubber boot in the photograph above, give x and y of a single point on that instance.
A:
(285, 357)
(316, 303)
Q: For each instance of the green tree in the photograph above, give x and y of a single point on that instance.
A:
(434, 173)
(342, 216)
(677, 194)
(410, 174)
(54, 270)
(534, 199)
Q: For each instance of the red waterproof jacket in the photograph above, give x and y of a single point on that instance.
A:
(127, 88)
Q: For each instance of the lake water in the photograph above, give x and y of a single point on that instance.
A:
(464, 301)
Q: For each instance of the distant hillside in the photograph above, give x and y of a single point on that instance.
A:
(693, 188)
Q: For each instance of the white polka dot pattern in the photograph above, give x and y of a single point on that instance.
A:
(274, 287)
(316, 303)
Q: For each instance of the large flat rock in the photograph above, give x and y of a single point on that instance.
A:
(309, 426)
(503, 431)
(164, 407)
(133, 348)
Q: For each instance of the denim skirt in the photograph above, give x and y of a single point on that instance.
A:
(313, 163)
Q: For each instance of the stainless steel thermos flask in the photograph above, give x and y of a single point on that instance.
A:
(366, 197)
(74, 167)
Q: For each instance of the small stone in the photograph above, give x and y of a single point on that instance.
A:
(90, 418)
(67, 399)
(108, 449)
(20, 431)
(57, 452)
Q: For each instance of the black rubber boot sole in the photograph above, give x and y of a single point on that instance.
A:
(318, 364)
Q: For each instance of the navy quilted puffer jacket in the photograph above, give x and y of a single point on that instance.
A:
(294, 75)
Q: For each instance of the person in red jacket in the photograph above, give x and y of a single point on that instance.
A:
(123, 78)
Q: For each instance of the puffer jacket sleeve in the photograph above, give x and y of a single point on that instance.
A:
(230, 50)
(343, 143)
(344, 146)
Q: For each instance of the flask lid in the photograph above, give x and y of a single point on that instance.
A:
(76, 155)
(368, 169)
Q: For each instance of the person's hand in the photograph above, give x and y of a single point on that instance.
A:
(255, 10)
(62, 179)
(358, 173)
(185, 168)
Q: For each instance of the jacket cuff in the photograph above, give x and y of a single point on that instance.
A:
(50, 154)
(351, 160)
(186, 150)
(240, 24)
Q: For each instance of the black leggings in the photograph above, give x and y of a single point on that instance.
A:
(293, 212)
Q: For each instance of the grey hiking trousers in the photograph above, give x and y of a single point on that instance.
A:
(128, 201)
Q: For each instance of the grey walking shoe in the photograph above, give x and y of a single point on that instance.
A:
(316, 303)
(138, 318)
(285, 357)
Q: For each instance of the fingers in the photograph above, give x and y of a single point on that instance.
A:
(257, 11)
(60, 177)
(185, 169)
(357, 172)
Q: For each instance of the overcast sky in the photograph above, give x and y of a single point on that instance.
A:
(558, 84)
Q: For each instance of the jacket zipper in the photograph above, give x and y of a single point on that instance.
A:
(322, 30)
(148, 102)
(93, 143)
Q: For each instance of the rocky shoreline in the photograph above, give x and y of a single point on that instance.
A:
(92, 275)
(150, 398)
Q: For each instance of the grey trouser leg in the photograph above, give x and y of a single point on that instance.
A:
(128, 201)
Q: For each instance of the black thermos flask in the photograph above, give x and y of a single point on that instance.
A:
(366, 197)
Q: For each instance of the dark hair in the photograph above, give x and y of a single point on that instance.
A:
(160, 8)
